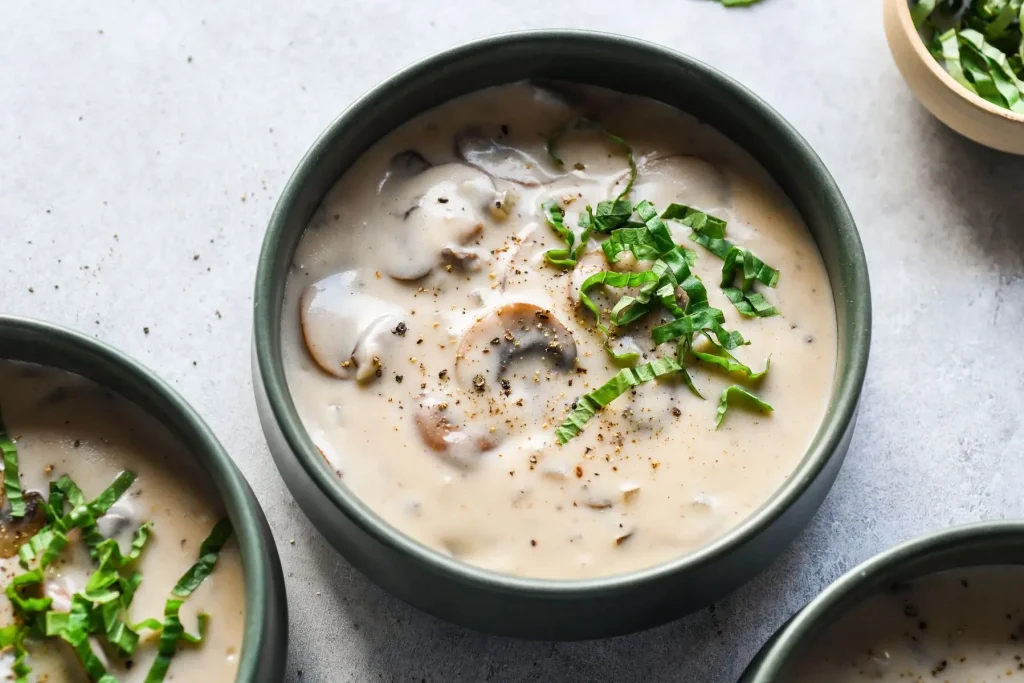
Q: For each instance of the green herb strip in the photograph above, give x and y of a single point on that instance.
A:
(173, 631)
(921, 10)
(12, 483)
(740, 396)
(709, 232)
(984, 48)
(725, 360)
(588, 405)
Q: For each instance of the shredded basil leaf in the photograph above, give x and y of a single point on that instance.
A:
(725, 360)
(589, 404)
(12, 484)
(921, 10)
(555, 216)
(173, 631)
(208, 553)
(980, 44)
(740, 396)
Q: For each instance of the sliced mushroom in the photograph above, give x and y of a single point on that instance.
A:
(499, 160)
(444, 206)
(15, 531)
(403, 166)
(443, 428)
(683, 180)
(506, 334)
(120, 519)
(335, 317)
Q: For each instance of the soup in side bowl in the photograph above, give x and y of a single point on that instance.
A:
(115, 552)
(555, 331)
(956, 625)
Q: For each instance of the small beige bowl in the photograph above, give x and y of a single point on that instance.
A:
(954, 105)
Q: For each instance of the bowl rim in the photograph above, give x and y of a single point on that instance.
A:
(848, 379)
(907, 26)
(807, 623)
(264, 587)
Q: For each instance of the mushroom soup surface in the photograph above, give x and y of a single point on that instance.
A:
(957, 626)
(531, 328)
(112, 517)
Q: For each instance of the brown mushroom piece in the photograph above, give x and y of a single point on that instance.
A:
(342, 327)
(445, 206)
(506, 334)
(443, 428)
(14, 531)
(498, 160)
(404, 165)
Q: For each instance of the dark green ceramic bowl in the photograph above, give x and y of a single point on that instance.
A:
(973, 545)
(265, 641)
(545, 608)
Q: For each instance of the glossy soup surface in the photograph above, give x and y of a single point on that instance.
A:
(432, 350)
(64, 424)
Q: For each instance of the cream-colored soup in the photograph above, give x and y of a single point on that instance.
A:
(64, 424)
(432, 350)
(961, 626)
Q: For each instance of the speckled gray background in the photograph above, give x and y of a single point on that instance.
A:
(142, 146)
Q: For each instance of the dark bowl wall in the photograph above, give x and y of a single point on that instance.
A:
(539, 608)
(265, 640)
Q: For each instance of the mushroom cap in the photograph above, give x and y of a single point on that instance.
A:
(15, 531)
(498, 160)
(507, 333)
(444, 206)
(334, 315)
(443, 428)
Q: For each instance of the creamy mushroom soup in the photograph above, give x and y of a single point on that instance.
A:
(499, 320)
(962, 626)
(76, 440)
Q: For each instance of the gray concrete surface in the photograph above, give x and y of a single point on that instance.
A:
(142, 147)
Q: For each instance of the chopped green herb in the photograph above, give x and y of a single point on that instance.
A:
(740, 396)
(555, 216)
(589, 404)
(921, 10)
(173, 631)
(12, 484)
(717, 355)
(980, 45)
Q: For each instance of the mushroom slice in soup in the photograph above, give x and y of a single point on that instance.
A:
(445, 206)
(502, 161)
(341, 326)
(682, 180)
(445, 429)
(507, 333)
(14, 531)
(403, 166)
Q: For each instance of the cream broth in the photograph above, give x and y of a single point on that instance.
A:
(432, 351)
(64, 424)
(960, 626)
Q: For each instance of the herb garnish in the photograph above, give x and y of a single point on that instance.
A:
(588, 404)
(100, 608)
(610, 214)
(12, 484)
(668, 285)
(981, 45)
(737, 394)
